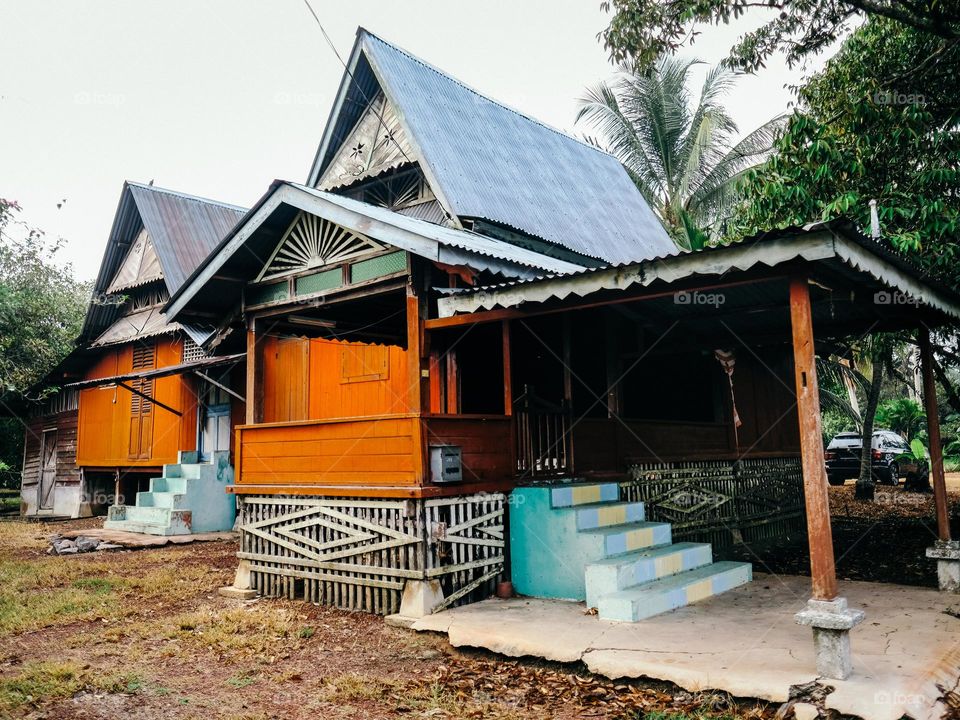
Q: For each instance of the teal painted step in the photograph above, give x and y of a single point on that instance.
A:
(168, 484)
(672, 592)
(621, 539)
(150, 520)
(573, 494)
(156, 498)
(549, 554)
(591, 517)
(624, 571)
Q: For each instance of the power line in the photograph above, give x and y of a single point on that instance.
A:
(353, 79)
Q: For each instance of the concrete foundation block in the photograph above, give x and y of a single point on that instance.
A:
(831, 621)
(420, 598)
(947, 555)
(241, 579)
(237, 593)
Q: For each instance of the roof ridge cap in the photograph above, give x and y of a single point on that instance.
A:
(186, 196)
(479, 94)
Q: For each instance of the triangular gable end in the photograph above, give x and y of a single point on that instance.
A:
(312, 242)
(376, 144)
(140, 266)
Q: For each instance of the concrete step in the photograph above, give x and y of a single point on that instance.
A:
(169, 484)
(159, 499)
(623, 571)
(140, 527)
(590, 517)
(620, 539)
(172, 471)
(659, 596)
(583, 494)
(178, 521)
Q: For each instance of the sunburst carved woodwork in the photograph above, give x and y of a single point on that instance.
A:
(312, 242)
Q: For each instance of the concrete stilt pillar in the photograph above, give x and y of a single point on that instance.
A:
(831, 621)
(947, 555)
(242, 588)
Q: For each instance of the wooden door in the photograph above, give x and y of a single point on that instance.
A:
(215, 419)
(293, 379)
(48, 469)
(141, 409)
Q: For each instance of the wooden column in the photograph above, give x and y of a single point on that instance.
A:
(822, 569)
(254, 393)
(933, 434)
(507, 373)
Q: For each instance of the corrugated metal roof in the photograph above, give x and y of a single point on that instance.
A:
(448, 236)
(184, 229)
(135, 326)
(486, 160)
(842, 242)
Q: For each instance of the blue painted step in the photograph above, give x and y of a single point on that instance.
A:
(578, 541)
(672, 592)
(624, 571)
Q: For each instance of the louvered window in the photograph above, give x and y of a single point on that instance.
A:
(144, 358)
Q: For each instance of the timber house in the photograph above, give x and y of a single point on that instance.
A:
(465, 350)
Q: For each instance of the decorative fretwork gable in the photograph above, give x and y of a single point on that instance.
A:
(139, 267)
(377, 143)
(312, 242)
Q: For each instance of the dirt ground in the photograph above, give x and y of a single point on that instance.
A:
(880, 541)
(144, 634)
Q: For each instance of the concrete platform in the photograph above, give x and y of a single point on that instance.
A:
(139, 540)
(744, 642)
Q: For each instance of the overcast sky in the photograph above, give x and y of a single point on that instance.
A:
(217, 98)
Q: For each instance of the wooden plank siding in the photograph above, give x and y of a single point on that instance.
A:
(374, 451)
(105, 412)
(485, 443)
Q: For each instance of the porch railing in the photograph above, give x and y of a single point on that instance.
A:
(544, 445)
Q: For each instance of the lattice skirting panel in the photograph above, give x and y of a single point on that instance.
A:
(357, 554)
(722, 501)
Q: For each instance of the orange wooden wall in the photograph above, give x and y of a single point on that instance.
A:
(313, 379)
(377, 452)
(104, 431)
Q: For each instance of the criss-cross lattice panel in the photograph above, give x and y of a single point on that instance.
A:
(350, 553)
(465, 535)
(311, 242)
(712, 501)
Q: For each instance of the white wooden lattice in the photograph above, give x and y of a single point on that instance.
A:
(311, 242)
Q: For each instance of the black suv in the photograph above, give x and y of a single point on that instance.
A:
(889, 464)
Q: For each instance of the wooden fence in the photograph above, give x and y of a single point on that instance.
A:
(357, 554)
(721, 501)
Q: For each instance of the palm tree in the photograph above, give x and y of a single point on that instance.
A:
(680, 154)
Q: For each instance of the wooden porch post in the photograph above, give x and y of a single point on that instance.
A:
(507, 373)
(254, 393)
(933, 433)
(828, 615)
(822, 569)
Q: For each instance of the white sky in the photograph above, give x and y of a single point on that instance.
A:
(219, 97)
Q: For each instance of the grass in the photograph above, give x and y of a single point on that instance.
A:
(39, 683)
(237, 634)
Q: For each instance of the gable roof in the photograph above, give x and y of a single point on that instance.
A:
(183, 230)
(244, 251)
(486, 160)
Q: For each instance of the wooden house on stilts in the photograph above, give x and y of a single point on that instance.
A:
(471, 353)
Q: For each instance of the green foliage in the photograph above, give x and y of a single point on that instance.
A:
(870, 127)
(677, 146)
(41, 304)
(902, 415)
(643, 30)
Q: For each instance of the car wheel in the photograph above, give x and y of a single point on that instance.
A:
(836, 480)
(893, 474)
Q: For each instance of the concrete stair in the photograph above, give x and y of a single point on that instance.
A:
(189, 497)
(579, 541)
